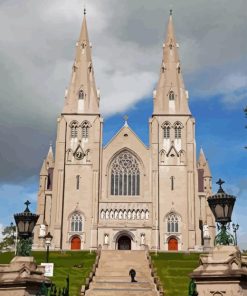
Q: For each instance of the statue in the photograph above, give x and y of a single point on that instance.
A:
(42, 230)
(206, 231)
(143, 239)
(106, 239)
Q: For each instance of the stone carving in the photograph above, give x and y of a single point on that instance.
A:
(106, 239)
(124, 215)
(42, 230)
(206, 231)
(143, 239)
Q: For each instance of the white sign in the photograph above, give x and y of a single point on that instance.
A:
(49, 267)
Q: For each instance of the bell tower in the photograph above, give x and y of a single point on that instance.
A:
(173, 153)
(77, 158)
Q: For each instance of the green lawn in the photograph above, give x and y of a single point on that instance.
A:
(63, 266)
(173, 270)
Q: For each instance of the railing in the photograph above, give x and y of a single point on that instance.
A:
(52, 290)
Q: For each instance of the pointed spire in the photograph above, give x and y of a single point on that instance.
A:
(49, 157)
(43, 171)
(82, 92)
(203, 164)
(170, 96)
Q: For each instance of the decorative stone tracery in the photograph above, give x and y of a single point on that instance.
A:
(123, 214)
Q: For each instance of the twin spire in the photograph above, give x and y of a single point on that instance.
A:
(170, 96)
(82, 95)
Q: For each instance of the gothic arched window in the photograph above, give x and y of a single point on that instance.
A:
(166, 128)
(178, 127)
(74, 129)
(171, 96)
(172, 223)
(125, 175)
(85, 129)
(76, 222)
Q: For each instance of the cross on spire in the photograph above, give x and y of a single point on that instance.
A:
(126, 120)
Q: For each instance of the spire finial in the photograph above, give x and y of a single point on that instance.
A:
(170, 11)
(125, 119)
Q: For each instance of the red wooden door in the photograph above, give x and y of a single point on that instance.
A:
(75, 243)
(172, 244)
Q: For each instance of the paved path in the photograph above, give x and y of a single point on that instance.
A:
(112, 275)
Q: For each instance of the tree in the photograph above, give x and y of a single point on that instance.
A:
(9, 237)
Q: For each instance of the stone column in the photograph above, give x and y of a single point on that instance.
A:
(222, 272)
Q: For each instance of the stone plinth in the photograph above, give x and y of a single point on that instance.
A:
(22, 277)
(222, 272)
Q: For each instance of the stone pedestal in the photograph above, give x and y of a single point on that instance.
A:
(22, 277)
(207, 247)
(221, 273)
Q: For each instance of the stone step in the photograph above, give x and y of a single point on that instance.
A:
(124, 292)
(118, 272)
(120, 279)
(122, 285)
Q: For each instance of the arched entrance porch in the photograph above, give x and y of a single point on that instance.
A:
(124, 243)
(75, 243)
(124, 240)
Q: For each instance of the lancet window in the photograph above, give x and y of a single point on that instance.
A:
(125, 175)
(172, 223)
(166, 128)
(178, 129)
(85, 129)
(76, 222)
(81, 95)
(171, 96)
(74, 129)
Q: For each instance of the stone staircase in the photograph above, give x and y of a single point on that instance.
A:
(112, 275)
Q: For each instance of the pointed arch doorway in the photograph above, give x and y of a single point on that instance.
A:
(173, 244)
(75, 243)
(124, 243)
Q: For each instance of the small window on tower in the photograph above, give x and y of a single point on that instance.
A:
(166, 128)
(81, 95)
(74, 129)
(85, 129)
(178, 129)
(77, 182)
(171, 96)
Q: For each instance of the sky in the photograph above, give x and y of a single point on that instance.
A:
(37, 48)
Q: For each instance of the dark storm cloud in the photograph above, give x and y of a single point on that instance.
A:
(37, 49)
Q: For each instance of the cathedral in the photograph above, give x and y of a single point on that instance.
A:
(125, 195)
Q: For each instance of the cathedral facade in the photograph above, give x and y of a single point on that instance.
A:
(125, 195)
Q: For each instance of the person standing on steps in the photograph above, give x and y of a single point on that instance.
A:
(132, 274)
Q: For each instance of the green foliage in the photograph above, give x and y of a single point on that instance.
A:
(173, 270)
(65, 263)
(24, 247)
(9, 236)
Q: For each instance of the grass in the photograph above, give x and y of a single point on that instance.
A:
(173, 270)
(63, 266)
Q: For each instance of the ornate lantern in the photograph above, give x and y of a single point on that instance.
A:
(48, 238)
(25, 223)
(221, 204)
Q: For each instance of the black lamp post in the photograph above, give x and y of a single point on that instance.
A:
(221, 204)
(235, 228)
(48, 238)
(25, 223)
